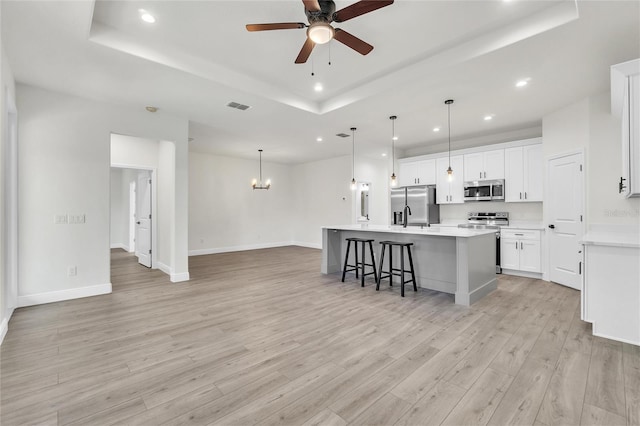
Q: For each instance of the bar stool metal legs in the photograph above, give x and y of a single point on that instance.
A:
(395, 271)
(360, 263)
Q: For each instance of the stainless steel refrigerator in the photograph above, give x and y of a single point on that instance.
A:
(421, 201)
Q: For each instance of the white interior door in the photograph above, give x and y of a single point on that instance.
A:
(143, 219)
(565, 204)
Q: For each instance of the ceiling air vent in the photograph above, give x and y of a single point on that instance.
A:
(238, 106)
(342, 135)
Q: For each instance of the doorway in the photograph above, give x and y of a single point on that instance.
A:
(565, 213)
(132, 221)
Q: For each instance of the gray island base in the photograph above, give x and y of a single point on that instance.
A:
(457, 261)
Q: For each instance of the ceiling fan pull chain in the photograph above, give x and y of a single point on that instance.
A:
(329, 54)
(312, 73)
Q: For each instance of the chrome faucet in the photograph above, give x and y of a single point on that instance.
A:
(407, 212)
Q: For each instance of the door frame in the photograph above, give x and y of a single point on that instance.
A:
(154, 207)
(10, 214)
(546, 268)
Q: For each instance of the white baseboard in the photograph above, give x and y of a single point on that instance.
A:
(173, 276)
(164, 268)
(178, 278)
(308, 245)
(120, 246)
(216, 250)
(4, 327)
(60, 295)
(524, 274)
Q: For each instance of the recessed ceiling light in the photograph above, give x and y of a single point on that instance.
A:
(384, 154)
(318, 139)
(436, 129)
(488, 117)
(318, 87)
(522, 83)
(395, 138)
(146, 16)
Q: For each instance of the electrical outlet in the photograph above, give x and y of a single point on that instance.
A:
(72, 271)
(60, 219)
(76, 219)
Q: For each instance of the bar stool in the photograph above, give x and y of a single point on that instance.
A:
(395, 271)
(359, 263)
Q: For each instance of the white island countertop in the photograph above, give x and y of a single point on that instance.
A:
(442, 231)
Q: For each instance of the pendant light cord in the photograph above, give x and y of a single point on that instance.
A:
(449, 125)
(393, 145)
(353, 153)
(260, 167)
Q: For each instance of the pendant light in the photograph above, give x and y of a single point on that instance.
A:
(354, 186)
(448, 102)
(394, 181)
(254, 184)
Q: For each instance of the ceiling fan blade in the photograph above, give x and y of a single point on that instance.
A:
(352, 41)
(305, 52)
(311, 5)
(359, 8)
(279, 26)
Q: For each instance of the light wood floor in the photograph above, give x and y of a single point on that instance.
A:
(262, 337)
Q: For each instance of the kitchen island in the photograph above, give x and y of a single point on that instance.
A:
(458, 261)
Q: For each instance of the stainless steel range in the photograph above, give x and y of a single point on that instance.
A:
(485, 220)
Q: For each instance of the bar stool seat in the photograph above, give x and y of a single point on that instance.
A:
(400, 272)
(359, 263)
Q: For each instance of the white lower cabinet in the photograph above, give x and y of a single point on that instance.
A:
(520, 250)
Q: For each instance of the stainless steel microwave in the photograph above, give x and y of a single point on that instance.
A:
(484, 190)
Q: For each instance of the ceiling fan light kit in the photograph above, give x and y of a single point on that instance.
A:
(320, 14)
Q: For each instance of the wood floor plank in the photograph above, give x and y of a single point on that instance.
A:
(595, 416)
(482, 399)
(522, 400)
(605, 384)
(434, 406)
(631, 365)
(325, 418)
(385, 411)
(562, 403)
(263, 336)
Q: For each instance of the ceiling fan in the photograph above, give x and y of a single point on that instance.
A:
(320, 14)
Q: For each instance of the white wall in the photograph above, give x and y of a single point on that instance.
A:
(65, 168)
(7, 252)
(226, 214)
(118, 207)
(589, 125)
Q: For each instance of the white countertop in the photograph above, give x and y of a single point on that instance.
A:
(611, 239)
(443, 231)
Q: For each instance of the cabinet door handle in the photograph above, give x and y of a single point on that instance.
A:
(516, 245)
(621, 186)
(521, 247)
(521, 195)
(579, 268)
(525, 195)
(480, 175)
(519, 234)
(485, 175)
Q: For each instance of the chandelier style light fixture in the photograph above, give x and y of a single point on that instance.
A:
(449, 170)
(354, 185)
(255, 184)
(394, 181)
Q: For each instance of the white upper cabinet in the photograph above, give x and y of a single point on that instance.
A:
(523, 173)
(421, 172)
(450, 191)
(625, 104)
(484, 165)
